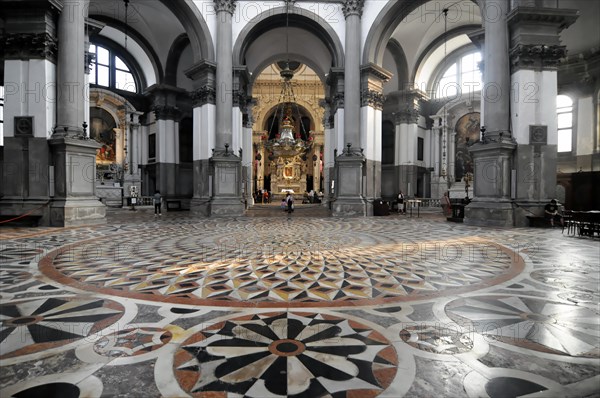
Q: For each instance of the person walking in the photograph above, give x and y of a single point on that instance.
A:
(289, 199)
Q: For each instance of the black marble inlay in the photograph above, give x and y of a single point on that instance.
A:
(508, 387)
(52, 390)
(388, 309)
(47, 287)
(177, 310)
(287, 347)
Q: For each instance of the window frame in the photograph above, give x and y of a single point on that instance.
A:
(573, 127)
(115, 50)
(454, 57)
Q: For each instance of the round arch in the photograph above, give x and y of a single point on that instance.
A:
(145, 48)
(299, 18)
(293, 57)
(384, 26)
(195, 26)
(305, 107)
(179, 44)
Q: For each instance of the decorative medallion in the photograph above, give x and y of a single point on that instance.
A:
(286, 354)
(31, 326)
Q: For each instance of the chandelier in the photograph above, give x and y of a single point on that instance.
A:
(287, 143)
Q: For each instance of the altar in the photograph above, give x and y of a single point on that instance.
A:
(288, 174)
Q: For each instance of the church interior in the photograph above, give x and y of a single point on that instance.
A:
(147, 148)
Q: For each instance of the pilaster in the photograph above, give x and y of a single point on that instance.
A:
(535, 54)
(204, 113)
(373, 78)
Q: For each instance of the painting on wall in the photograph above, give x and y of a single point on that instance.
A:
(102, 127)
(467, 133)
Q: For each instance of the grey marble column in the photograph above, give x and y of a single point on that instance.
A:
(496, 89)
(352, 10)
(224, 73)
(70, 107)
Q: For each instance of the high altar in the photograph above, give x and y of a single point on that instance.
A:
(288, 173)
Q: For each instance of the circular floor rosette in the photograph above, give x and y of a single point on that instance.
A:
(298, 267)
(532, 323)
(31, 326)
(286, 354)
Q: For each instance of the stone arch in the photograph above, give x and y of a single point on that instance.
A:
(138, 38)
(195, 27)
(298, 17)
(384, 25)
(177, 47)
(401, 63)
(437, 42)
(297, 57)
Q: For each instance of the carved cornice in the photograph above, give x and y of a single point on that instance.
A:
(478, 38)
(372, 98)
(88, 59)
(372, 70)
(165, 112)
(353, 7)
(225, 5)
(536, 56)
(29, 46)
(204, 95)
(559, 16)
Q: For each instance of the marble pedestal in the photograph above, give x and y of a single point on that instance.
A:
(492, 204)
(75, 201)
(227, 196)
(349, 200)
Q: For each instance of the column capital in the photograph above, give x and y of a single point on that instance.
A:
(88, 58)
(166, 112)
(225, 5)
(352, 7)
(372, 98)
(536, 56)
(406, 116)
(204, 95)
(535, 36)
(29, 46)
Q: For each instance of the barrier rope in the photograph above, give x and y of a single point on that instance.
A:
(24, 215)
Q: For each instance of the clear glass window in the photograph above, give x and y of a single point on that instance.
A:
(564, 112)
(463, 76)
(109, 70)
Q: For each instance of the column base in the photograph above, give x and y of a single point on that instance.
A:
(227, 196)
(38, 210)
(226, 207)
(75, 212)
(490, 213)
(349, 207)
(348, 186)
(200, 207)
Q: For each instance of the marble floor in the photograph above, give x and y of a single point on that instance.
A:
(297, 306)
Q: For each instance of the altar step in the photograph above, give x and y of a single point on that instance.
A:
(300, 210)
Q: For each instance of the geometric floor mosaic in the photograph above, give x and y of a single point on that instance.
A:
(324, 268)
(296, 306)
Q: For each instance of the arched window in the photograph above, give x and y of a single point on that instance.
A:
(564, 111)
(463, 74)
(109, 70)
